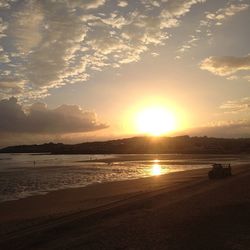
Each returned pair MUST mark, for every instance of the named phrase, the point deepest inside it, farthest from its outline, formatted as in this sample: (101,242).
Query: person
(34,163)
(229,169)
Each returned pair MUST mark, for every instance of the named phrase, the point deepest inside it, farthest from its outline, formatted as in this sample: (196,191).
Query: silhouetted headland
(142,145)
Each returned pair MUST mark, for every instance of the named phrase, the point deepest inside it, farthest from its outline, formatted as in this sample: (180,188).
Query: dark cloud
(40,119)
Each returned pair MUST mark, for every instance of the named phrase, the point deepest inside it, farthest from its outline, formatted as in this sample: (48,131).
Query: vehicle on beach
(219,171)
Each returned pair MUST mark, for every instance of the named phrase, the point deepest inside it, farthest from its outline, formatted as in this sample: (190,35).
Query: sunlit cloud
(235,106)
(4,4)
(122,3)
(226,12)
(226,65)
(218,17)
(48,44)
(11,87)
(86,4)
(24,27)
(192,42)
(209,22)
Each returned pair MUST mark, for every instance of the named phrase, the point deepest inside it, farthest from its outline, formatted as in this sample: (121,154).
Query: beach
(182,210)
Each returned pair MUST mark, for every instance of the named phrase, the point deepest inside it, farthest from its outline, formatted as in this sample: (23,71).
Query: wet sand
(176,211)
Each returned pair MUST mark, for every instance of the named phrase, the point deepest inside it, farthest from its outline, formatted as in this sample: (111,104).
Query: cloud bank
(225,129)
(38,119)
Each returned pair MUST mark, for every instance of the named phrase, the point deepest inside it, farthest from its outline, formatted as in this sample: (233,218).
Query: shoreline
(151,182)
(45,192)
(155,182)
(137,203)
(192,165)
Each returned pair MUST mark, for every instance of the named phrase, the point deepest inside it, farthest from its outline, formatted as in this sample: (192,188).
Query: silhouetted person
(229,169)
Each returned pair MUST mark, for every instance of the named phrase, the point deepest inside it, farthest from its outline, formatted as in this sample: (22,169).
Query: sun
(155,121)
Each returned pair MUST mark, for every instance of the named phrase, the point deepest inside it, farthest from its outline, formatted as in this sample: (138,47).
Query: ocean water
(23,175)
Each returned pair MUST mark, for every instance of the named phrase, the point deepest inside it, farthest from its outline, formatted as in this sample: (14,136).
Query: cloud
(192,42)
(226,12)
(226,65)
(219,16)
(247,78)
(122,3)
(209,22)
(154,54)
(10,87)
(24,29)
(3,27)
(151,3)
(86,4)
(50,43)
(235,106)
(177,8)
(39,119)
(224,129)
(115,21)
(46,36)
(4,57)
(5,4)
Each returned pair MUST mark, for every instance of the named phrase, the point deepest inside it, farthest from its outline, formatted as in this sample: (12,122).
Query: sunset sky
(73,71)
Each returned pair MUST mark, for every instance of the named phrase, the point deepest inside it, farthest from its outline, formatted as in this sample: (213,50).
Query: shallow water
(23,175)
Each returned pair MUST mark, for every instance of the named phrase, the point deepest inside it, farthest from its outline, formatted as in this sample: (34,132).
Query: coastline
(118,168)
(125,201)
(87,196)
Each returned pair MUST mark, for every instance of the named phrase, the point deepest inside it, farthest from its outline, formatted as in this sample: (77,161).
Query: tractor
(219,171)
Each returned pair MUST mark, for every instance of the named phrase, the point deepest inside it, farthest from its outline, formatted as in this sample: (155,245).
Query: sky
(74,71)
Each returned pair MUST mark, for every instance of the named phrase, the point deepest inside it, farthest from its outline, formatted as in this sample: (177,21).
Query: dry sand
(176,211)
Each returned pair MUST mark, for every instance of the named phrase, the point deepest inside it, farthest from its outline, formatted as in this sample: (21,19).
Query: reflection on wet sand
(156,168)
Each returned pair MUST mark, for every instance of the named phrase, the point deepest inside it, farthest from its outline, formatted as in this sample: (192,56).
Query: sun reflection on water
(156,169)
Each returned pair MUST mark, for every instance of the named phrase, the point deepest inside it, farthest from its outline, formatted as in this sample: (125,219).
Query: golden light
(155,121)
(156,169)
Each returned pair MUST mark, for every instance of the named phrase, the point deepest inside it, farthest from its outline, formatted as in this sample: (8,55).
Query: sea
(23,175)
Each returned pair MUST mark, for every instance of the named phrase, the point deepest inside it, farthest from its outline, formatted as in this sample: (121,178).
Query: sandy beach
(181,210)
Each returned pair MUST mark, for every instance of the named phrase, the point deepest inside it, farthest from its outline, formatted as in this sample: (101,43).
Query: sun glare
(155,121)
(156,169)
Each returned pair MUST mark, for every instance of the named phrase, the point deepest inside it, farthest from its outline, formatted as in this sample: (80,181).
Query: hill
(142,145)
